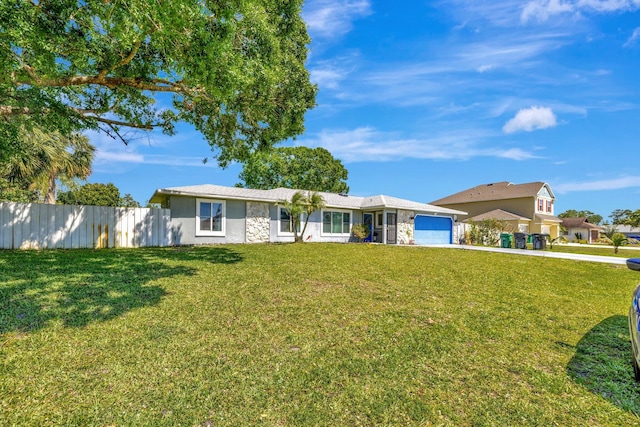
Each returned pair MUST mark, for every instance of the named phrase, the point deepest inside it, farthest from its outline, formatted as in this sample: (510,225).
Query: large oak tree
(233,69)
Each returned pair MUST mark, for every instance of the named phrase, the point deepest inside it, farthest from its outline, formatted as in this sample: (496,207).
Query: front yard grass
(623,251)
(313,334)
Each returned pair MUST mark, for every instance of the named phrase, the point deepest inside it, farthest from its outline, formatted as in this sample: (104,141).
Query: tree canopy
(591,217)
(44,158)
(235,70)
(303,168)
(626,217)
(97,195)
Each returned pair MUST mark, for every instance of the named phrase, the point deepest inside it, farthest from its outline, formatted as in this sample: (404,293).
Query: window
(540,205)
(285,222)
(336,222)
(549,206)
(379,218)
(210,217)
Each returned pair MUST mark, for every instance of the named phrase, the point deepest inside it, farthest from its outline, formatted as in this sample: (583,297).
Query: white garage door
(433,230)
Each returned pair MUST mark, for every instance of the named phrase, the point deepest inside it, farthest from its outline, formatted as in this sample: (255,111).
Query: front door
(367,219)
(391,228)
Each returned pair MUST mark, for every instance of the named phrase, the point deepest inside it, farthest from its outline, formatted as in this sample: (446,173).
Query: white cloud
(111,154)
(516,154)
(329,74)
(333,18)
(635,36)
(529,119)
(602,185)
(496,13)
(542,10)
(327,77)
(485,68)
(368,144)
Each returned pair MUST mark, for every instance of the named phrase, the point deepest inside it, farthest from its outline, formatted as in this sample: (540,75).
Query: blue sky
(423,99)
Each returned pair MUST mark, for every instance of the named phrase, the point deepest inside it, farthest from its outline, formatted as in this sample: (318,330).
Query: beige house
(580,229)
(527,208)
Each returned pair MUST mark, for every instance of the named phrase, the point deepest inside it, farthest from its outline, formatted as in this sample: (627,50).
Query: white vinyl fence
(36,226)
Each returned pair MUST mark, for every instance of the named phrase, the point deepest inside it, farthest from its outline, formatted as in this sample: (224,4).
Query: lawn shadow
(78,287)
(211,254)
(602,364)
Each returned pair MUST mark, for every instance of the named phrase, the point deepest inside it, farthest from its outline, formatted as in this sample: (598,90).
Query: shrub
(487,232)
(360,231)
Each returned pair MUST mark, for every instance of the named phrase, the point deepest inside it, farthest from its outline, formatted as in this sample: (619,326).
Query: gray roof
(627,229)
(276,195)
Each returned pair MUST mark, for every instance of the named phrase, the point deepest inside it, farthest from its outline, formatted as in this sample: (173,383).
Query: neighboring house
(629,231)
(204,214)
(581,229)
(528,206)
(514,222)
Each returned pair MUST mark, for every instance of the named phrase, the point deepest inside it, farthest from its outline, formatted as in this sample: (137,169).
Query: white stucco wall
(257,222)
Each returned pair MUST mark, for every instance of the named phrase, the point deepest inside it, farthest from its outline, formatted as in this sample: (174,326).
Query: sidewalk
(541,253)
(547,254)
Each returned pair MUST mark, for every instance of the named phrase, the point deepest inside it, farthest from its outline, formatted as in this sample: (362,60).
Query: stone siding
(405,227)
(257,222)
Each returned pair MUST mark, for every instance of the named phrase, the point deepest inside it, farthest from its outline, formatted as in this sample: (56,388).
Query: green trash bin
(505,240)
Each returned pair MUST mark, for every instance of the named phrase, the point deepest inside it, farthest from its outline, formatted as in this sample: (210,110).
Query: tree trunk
(50,197)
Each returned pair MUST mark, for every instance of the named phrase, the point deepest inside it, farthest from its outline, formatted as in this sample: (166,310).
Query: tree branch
(8,110)
(125,61)
(153,85)
(112,123)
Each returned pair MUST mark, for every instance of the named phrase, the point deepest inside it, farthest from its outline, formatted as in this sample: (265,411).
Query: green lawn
(313,334)
(623,251)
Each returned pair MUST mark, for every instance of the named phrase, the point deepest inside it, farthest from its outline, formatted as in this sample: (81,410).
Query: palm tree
(313,202)
(302,203)
(617,240)
(46,158)
(294,208)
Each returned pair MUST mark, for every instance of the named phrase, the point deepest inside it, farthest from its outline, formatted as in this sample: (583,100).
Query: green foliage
(127,201)
(97,195)
(634,218)
(234,70)
(557,240)
(302,202)
(609,230)
(617,240)
(619,216)
(16,192)
(360,231)
(303,168)
(487,231)
(591,217)
(626,217)
(42,159)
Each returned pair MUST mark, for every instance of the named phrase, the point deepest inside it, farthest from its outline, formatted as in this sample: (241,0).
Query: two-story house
(527,208)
